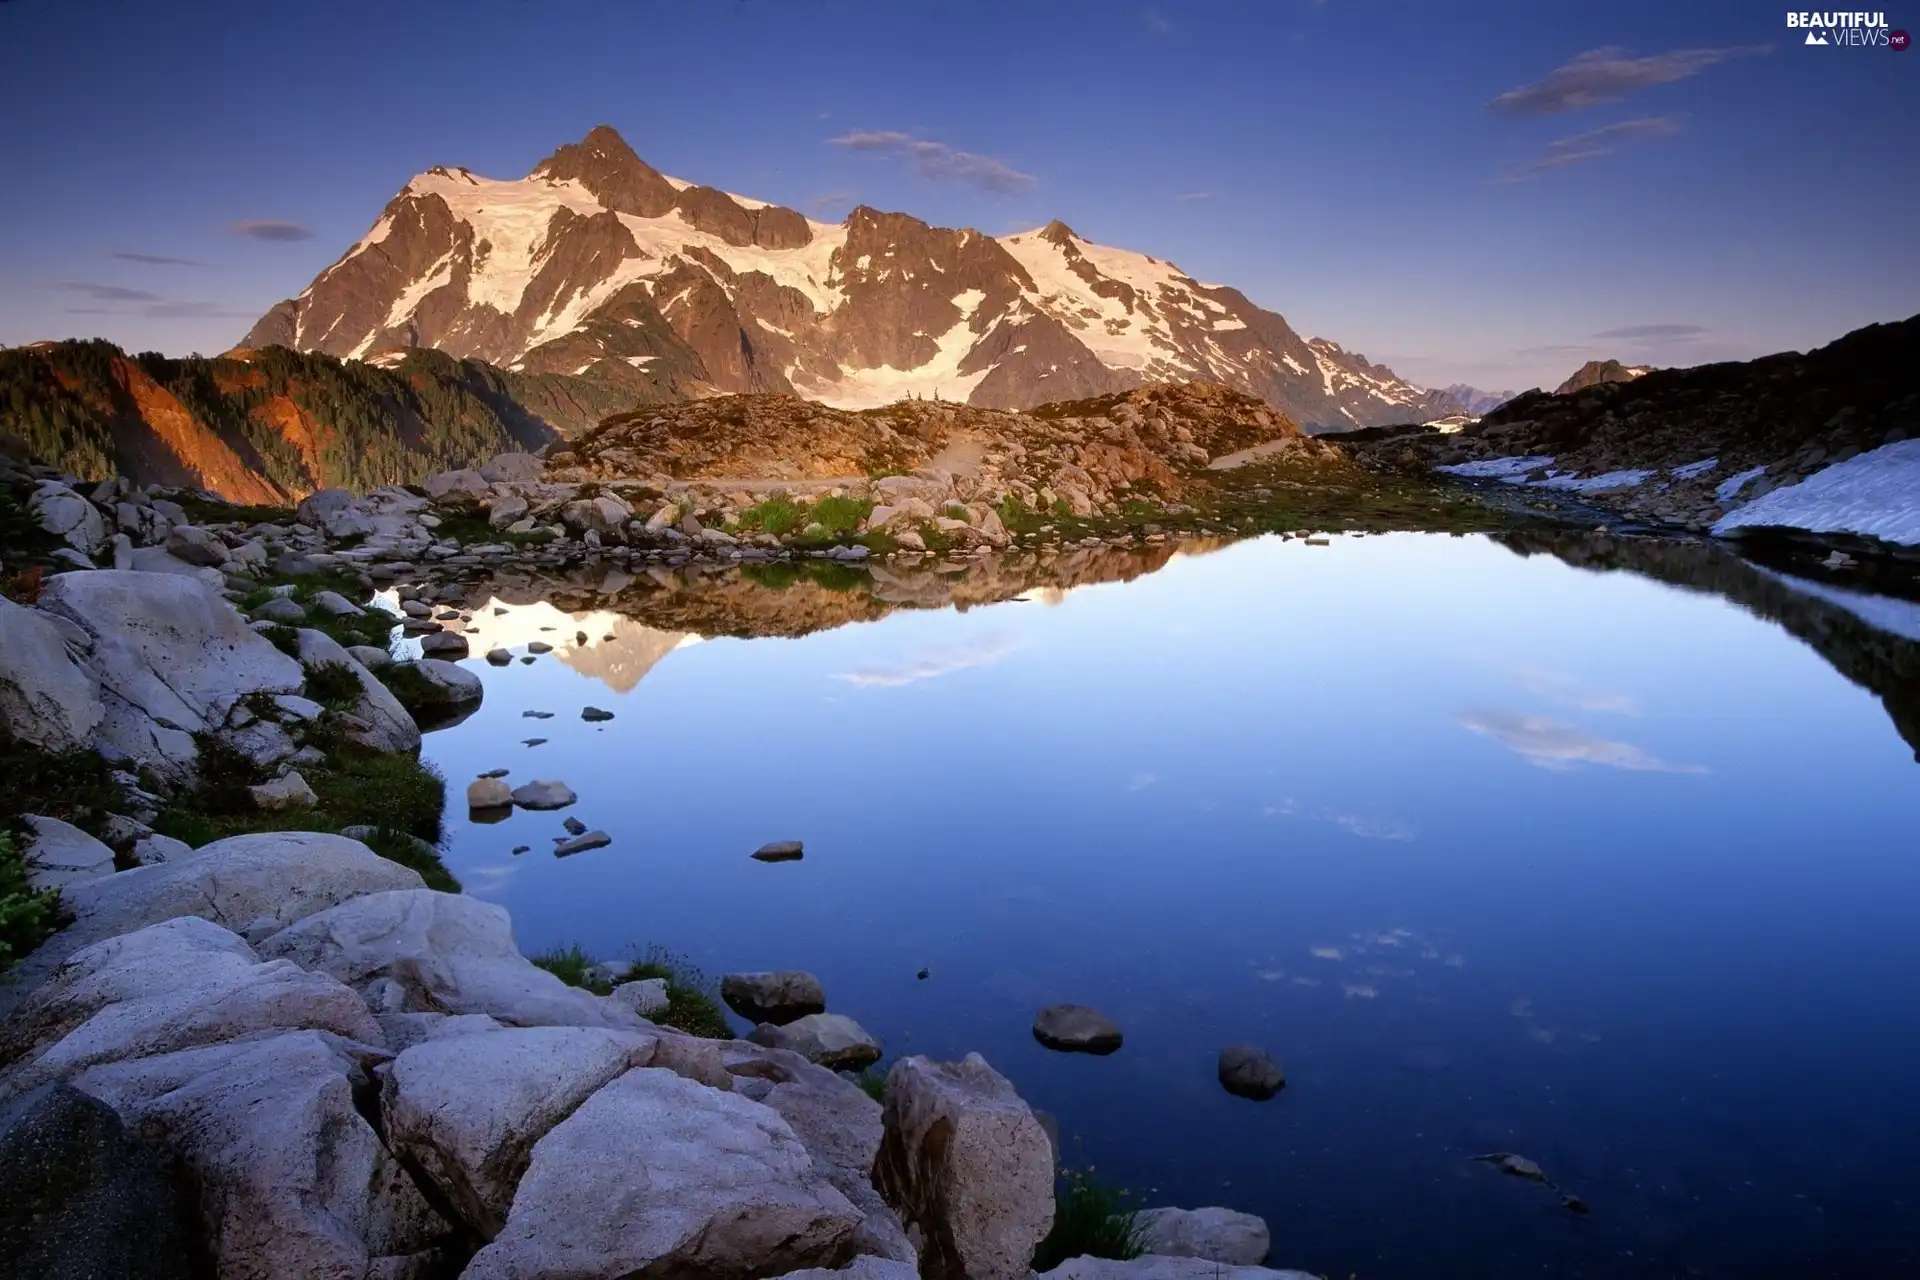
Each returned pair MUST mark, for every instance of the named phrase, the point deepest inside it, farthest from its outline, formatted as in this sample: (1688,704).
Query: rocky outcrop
(832,1040)
(657,1175)
(47,698)
(1216,1234)
(85,1197)
(1595,372)
(60,855)
(778,996)
(967,1167)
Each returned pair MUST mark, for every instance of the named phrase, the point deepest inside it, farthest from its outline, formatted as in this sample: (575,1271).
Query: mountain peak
(1057,232)
(606,166)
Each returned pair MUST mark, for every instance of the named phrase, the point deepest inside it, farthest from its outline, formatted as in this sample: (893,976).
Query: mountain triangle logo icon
(1814,37)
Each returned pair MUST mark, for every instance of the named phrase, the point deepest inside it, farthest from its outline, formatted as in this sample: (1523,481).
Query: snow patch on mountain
(1876,494)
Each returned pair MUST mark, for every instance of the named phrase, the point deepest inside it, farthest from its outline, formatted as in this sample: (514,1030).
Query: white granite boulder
(831,1039)
(60,855)
(68,516)
(47,699)
(377,720)
(1219,1235)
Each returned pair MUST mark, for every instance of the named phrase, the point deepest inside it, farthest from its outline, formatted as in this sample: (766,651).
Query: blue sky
(1488,192)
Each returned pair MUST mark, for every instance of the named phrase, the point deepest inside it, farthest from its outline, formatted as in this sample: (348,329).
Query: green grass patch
(693,1006)
(73,786)
(334,686)
(833,575)
(872,1081)
(393,791)
(27,916)
(839,516)
(778,515)
(1090,1220)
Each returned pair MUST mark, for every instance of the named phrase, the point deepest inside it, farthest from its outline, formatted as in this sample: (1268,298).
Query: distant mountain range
(1474,401)
(597,266)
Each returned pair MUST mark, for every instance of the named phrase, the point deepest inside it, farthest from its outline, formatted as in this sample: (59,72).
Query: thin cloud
(1157,22)
(1592,145)
(1657,332)
(270,229)
(1600,76)
(1194,195)
(1372,828)
(830,201)
(152,259)
(939,162)
(1561,747)
(108,292)
(929,667)
(1565,689)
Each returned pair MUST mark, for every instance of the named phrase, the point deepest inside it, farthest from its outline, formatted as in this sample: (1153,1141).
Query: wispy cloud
(1560,747)
(152,259)
(108,292)
(1600,76)
(1194,195)
(829,201)
(1157,22)
(1141,781)
(939,162)
(1592,145)
(1372,828)
(930,666)
(1656,332)
(270,229)
(1566,689)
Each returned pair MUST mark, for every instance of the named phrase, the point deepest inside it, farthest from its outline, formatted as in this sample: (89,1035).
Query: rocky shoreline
(285,1052)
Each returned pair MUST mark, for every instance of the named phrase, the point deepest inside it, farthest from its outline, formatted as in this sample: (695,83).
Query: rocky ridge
(598,266)
(1686,446)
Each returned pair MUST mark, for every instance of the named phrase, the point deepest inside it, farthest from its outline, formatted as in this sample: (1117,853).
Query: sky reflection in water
(1492,853)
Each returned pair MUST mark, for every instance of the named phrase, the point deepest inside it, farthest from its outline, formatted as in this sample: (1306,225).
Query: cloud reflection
(1564,688)
(932,665)
(1552,745)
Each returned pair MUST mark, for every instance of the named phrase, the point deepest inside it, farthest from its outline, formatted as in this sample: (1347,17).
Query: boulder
(190,544)
(47,699)
(337,513)
(655,1175)
(1250,1072)
(172,658)
(441,686)
(466,1110)
(693,1058)
(175,985)
(274,878)
(543,793)
(489,793)
(1219,1235)
(445,645)
(152,850)
(423,952)
(582,843)
(864,1267)
(780,851)
(60,855)
(605,515)
(288,791)
(964,1162)
(280,610)
(376,720)
(832,1040)
(369,657)
(512,468)
(68,516)
(456,486)
(334,605)
(778,996)
(292,1180)
(840,1127)
(1157,1267)
(646,998)
(85,1198)
(1076,1028)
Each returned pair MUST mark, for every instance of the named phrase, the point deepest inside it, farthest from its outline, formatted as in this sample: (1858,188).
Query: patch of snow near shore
(1692,470)
(1591,484)
(1876,494)
(1500,468)
(1732,485)
(1883,613)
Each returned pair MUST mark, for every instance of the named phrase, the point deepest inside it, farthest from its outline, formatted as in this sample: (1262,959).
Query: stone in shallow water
(444,644)
(594,715)
(543,793)
(831,1040)
(489,793)
(582,843)
(1250,1072)
(780,851)
(499,657)
(1076,1028)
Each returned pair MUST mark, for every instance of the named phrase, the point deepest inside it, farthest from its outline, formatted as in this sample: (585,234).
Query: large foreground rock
(417,951)
(1219,1235)
(85,1198)
(172,658)
(376,720)
(293,1181)
(466,1110)
(175,985)
(1155,1267)
(46,698)
(657,1176)
(252,884)
(61,855)
(831,1039)
(965,1163)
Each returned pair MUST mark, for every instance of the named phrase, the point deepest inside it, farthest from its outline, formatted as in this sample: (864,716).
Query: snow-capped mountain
(1475,401)
(597,265)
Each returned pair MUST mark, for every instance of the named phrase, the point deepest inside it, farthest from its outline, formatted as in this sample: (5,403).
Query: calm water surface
(1493,853)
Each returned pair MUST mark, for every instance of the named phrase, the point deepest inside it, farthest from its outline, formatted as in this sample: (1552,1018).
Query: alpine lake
(1598,851)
